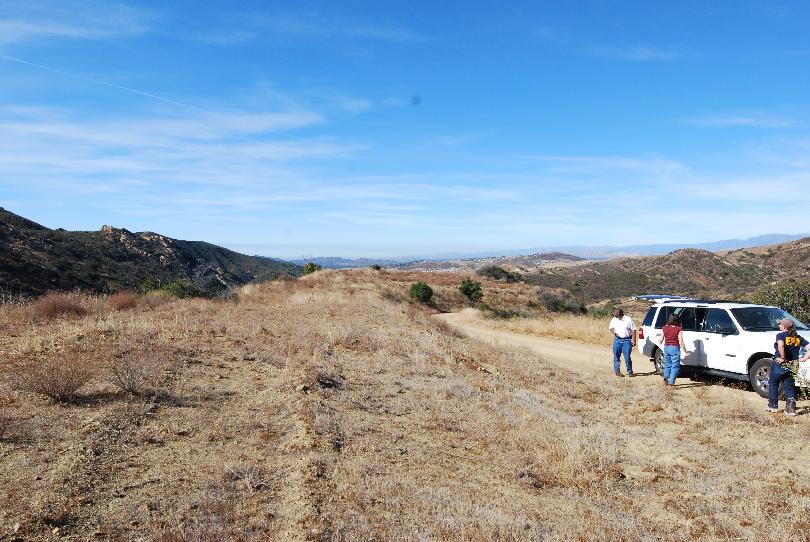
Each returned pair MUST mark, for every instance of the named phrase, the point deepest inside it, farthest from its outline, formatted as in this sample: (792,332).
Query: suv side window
(716,320)
(648,320)
(663,314)
(689,321)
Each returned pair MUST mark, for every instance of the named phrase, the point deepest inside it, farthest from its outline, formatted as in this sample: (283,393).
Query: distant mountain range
(35,259)
(599,252)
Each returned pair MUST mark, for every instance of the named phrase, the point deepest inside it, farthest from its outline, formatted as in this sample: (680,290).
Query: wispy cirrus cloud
(625,53)
(653,166)
(751,119)
(635,54)
(301,25)
(220,148)
(295,26)
(27,21)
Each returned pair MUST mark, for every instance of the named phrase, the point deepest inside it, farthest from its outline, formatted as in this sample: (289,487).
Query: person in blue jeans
(786,350)
(624,339)
(672,342)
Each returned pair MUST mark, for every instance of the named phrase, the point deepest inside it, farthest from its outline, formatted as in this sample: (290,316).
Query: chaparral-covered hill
(35,259)
(694,272)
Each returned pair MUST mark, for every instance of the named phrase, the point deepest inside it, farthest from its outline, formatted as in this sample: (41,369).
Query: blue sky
(384,128)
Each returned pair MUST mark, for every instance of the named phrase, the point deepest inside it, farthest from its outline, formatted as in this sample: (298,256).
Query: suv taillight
(641,333)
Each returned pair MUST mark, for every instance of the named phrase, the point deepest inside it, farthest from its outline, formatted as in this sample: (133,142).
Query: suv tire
(658,361)
(758,374)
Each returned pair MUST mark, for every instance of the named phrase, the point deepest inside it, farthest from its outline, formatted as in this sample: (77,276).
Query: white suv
(727,339)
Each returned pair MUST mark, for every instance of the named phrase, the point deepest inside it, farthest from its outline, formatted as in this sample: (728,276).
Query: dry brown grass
(329,409)
(122,301)
(584,329)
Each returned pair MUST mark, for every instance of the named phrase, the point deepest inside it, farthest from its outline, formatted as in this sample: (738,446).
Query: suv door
(691,337)
(721,342)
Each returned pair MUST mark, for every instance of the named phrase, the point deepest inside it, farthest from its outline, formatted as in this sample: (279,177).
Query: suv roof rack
(660,297)
(706,301)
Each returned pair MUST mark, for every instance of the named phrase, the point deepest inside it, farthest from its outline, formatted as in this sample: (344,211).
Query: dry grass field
(331,408)
(575,327)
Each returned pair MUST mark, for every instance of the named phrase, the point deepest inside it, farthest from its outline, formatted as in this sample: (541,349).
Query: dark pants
(780,373)
(622,346)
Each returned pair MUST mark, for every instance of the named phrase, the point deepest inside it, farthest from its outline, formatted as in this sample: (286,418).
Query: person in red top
(673,346)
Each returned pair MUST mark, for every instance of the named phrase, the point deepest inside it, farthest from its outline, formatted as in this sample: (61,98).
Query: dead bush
(58,375)
(353,340)
(249,475)
(134,364)
(122,301)
(6,423)
(156,298)
(59,304)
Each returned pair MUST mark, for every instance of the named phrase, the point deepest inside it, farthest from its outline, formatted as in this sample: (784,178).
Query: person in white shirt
(624,339)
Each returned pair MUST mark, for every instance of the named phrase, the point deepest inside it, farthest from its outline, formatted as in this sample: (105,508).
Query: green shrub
(421,292)
(311,267)
(148,285)
(181,289)
(562,303)
(375,266)
(471,289)
(792,295)
(495,272)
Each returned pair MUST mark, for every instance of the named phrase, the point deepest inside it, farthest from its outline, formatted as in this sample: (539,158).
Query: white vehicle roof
(707,303)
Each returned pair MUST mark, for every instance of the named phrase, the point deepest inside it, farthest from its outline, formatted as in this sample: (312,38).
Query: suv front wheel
(759,373)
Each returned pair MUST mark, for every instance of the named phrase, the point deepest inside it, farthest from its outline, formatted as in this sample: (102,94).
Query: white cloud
(635,54)
(353,105)
(25,21)
(655,166)
(42,147)
(754,120)
(299,25)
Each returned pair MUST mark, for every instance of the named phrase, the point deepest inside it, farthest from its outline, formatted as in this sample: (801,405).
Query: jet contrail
(139,93)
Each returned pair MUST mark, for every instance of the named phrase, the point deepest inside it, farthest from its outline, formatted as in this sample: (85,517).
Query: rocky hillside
(35,259)
(693,272)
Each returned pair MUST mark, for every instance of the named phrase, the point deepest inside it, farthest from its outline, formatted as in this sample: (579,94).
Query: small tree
(471,289)
(495,272)
(421,292)
(311,267)
(181,289)
(375,266)
(793,296)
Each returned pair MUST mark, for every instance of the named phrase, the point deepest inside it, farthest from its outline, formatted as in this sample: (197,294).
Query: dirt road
(583,357)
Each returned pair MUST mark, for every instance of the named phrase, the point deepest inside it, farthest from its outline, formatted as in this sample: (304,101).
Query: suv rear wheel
(658,361)
(759,373)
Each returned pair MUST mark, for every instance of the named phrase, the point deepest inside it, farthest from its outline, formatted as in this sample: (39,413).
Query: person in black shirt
(787,348)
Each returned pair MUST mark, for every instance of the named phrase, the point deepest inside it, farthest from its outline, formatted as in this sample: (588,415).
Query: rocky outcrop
(35,259)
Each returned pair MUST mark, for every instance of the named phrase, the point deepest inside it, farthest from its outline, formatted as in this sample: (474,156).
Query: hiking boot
(771,409)
(790,409)
(631,375)
(618,374)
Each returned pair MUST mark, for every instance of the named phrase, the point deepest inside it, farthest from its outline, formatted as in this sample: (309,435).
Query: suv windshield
(762,318)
